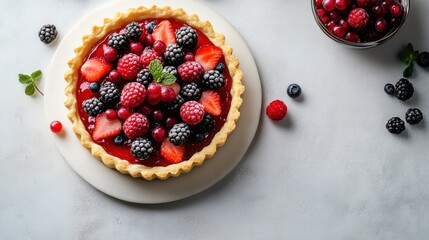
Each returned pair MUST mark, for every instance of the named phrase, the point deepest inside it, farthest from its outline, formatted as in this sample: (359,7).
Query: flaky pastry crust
(137,14)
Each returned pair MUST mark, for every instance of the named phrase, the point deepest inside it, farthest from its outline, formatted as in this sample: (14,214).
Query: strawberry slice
(211,102)
(174,154)
(105,128)
(208,56)
(94,69)
(164,32)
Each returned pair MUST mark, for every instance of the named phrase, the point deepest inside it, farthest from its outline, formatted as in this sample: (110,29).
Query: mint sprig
(155,68)
(31,82)
(408,56)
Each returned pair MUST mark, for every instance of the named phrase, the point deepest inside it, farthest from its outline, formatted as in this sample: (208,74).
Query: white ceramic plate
(125,187)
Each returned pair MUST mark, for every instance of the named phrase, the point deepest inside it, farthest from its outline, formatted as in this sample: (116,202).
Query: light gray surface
(329,171)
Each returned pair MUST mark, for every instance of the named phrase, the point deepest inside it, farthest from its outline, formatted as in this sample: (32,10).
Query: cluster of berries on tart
(155,89)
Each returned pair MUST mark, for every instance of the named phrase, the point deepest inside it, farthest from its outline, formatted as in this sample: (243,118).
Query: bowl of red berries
(360,23)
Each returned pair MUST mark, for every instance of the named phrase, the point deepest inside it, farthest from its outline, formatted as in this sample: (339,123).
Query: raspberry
(190,71)
(192,112)
(358,18)
(129,66)
(149,55)
(133,94)
(136,125)
(276,110)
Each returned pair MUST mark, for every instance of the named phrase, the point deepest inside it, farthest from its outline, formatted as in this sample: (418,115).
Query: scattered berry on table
(389,89)
(94,87)
(192,112)
(213,80)
(164,32)
(150,26)
(93,106)
(179,134)
(109,94)
(105,127)
(395,125)
(294,90)
(423,59)
(191,91)
(48,33)
(276,110)
(118,42)
(205,125)
(141,148)
(144,77)
(148,56)
(136,125)
(190,71)
(187,37)
(159,134)
(129,66)
(133,31)
(211,102)
(174,55)
(404,90)
(413,116)
(171,69)
(56,126)
(133,94)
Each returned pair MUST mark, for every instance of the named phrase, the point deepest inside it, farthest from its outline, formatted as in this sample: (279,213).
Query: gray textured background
(329,171)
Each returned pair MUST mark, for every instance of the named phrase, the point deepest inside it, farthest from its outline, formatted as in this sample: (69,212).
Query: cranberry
(189,57)
(56,126)
(374,2)
(341,4)
(351,37)
(318,3)
(328,5)
(344,24)
(381,25)
(362,3)
(154,93)
(124,113)
(324,19)
(394,22)
(167,94)
(159,47)
(335,16)
(170,122)
(321,12)
(339,31)
(387,2)
(111,114)
(396,10)
(146,110)
(159,134)
(149,39)
(330,26)
(110,53)
(158,116)
(114,76)
(136,48)
(378,11)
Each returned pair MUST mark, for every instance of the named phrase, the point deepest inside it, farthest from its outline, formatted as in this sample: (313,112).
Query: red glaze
(123,152)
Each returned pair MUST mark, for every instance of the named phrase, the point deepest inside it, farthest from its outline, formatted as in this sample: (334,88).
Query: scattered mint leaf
(167,78)
(410,47)
(24,79)
(408,56)
(155,68)
(30,81)
(30,89)
(408,72)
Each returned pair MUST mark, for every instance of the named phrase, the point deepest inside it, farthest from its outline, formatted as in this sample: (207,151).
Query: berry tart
(153,92)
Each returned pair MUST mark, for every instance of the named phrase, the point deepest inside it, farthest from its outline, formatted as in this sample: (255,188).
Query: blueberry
(220,67)
(119,140)
(199,137)
(294,90)
(150,26)
(94,87)
(389,89)
(423,59)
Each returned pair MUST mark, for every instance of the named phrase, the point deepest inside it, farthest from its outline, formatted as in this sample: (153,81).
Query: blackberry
(395,125)
(141,148)
(187,37)
(94,87)
(170,69)
(294,90)
(213,79)
(206,125)
(144,77)
(404,89)
(174,106)
(174,55)
(191,91)
(179,134)
(48,33)
(118,42)
(93,106)
(109,94)
(220,67)
(133,31)
(413,116)
(389,89)
(423,59)
(150,26)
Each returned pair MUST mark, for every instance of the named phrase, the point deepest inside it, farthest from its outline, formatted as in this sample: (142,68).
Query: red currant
(170,122)
(110,53)
(146,110)
(159,47)
(111,114)
(149,39)
(136,48)
(56,126)
(124,113)
(362,3)
(159,134)
(158,116)
(114,76)
(154,93)
(167,94)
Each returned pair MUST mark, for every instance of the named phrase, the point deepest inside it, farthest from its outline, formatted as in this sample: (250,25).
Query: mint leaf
(30,89)
(36,75)
(24,79)
(167,78)
(155,68)
(410,48)
(409,70)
